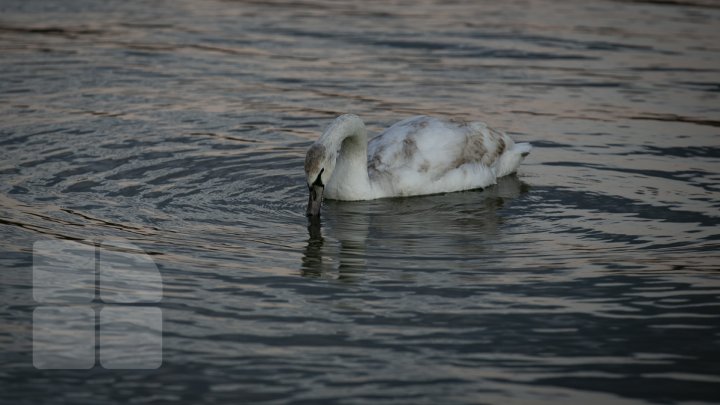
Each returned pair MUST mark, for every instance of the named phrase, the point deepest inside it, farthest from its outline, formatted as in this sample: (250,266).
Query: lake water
(180,127)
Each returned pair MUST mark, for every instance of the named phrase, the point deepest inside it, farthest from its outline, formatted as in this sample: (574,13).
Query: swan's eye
(318,180)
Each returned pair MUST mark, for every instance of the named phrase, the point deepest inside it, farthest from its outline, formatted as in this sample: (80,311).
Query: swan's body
(416,156)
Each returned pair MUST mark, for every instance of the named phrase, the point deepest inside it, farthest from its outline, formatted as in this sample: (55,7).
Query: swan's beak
(315,200)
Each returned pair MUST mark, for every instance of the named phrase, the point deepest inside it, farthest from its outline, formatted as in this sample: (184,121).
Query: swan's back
(423,155)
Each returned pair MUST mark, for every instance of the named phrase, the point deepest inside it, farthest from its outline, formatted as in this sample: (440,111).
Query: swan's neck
(350,180)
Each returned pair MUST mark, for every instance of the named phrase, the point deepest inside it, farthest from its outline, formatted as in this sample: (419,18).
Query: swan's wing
(430,148)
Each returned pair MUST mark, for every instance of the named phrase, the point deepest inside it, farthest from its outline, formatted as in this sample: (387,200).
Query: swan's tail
(511,159)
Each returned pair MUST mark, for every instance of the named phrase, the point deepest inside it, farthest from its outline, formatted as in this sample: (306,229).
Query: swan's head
(319,165)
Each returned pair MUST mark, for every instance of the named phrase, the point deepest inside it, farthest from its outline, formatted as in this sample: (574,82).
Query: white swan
(419,155)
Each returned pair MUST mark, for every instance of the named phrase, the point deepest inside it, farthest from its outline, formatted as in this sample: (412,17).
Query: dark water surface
(181,126)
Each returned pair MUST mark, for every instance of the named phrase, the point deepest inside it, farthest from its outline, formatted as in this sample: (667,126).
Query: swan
(415,156)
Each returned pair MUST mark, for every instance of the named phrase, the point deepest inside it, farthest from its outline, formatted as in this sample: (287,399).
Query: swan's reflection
(399,230)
